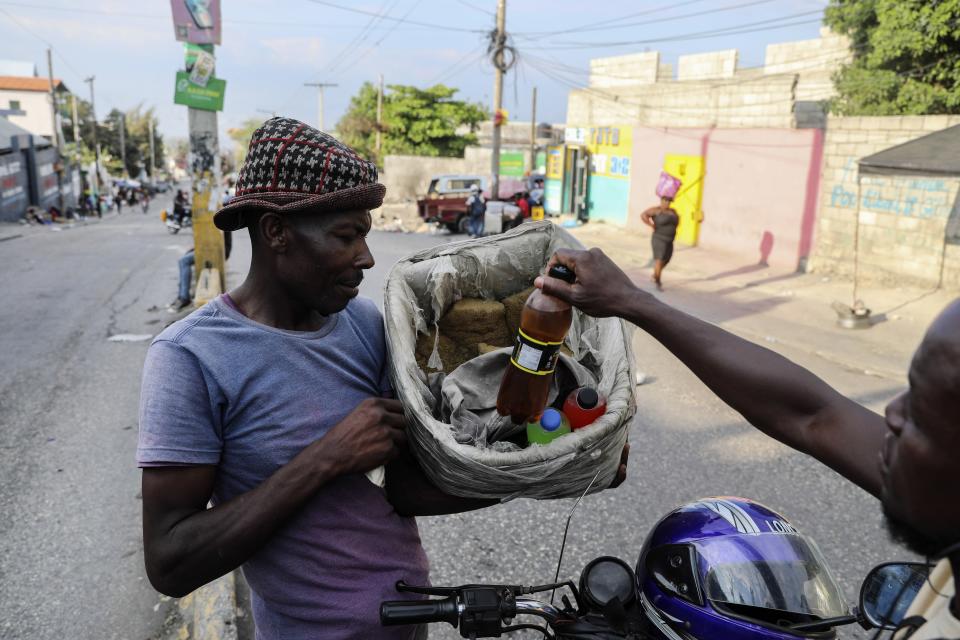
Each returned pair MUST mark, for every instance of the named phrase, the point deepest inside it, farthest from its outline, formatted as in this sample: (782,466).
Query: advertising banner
(202,69)
(196,21)
(13,186)
(209,98)
(192,52)
(511,164)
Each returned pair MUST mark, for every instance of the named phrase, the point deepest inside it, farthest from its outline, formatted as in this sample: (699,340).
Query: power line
(154,16)
(750,27)
(476,8)
(622,25)
(590,25)
(416,22)
(357,39)
(461,64)
(66,62)
(376,44)
(621,100)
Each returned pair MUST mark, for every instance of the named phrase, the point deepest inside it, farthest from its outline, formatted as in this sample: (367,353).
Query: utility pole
(57,134)
(76,123)
(150,132)
(379,113)
(498,67)
(320,87)
(533,132)
(123,142)
(96,145)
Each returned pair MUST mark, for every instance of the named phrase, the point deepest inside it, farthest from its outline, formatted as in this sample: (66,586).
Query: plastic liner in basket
(422,287)
(468,399)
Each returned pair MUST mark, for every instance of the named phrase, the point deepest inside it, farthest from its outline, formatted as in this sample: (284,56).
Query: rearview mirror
(888,590)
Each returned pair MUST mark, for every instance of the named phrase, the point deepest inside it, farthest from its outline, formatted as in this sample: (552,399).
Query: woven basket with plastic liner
(422,287)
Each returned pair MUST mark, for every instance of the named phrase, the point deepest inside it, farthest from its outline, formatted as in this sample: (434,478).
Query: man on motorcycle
(907,458)
(179,206)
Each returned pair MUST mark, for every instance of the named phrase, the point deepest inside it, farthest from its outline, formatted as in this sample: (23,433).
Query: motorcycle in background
(174,222)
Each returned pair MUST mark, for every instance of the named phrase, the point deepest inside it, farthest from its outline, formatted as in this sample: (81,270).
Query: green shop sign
(209,98)
(511,164)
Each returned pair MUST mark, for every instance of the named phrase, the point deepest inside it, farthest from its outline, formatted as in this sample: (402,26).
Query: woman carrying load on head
(663,220)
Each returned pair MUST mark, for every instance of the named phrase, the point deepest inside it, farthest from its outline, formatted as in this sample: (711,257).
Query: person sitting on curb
(185,268)
(272,402)
(906,458)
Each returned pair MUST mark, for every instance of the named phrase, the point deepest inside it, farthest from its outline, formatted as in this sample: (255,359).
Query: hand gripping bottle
(544,322)
(551,425)
(583,406)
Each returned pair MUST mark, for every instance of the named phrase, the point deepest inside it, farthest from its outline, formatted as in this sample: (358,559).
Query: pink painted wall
(760,191)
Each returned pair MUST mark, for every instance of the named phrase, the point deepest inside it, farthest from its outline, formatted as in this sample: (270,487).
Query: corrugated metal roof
(937,153)
(23,83)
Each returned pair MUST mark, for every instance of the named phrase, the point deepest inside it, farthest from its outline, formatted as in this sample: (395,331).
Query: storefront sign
(209,98)
(610,151)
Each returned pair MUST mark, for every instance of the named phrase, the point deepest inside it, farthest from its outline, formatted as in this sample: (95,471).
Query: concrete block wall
(903,219)
(706,66)
(406,177)
(825,53)
(710,90)
(761,101)
(618,71)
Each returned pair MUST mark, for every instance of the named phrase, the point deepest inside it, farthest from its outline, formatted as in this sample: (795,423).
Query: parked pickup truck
(446,201)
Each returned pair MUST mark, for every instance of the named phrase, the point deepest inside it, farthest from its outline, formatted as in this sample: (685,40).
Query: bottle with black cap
(583,406)
(544,323)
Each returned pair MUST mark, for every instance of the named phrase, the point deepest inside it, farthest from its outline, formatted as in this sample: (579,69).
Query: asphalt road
(70,542)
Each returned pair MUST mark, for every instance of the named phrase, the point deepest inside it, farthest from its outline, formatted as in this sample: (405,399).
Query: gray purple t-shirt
(220,389)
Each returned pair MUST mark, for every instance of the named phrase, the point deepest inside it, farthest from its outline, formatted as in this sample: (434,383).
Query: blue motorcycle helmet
(734,569)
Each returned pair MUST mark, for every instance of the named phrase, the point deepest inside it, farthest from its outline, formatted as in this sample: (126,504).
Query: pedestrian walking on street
(663,220)
(476,209)
(118,200)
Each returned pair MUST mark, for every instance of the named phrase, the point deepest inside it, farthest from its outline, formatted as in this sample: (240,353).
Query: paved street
(70,544)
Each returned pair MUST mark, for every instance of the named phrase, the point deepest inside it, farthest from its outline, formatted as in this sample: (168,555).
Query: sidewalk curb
(215,610)
(209,613)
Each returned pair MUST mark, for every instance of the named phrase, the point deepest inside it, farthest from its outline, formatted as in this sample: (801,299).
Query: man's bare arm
(187,545)
(780,398)
(412,494)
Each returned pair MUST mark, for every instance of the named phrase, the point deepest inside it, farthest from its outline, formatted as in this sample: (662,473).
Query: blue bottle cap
(551,420)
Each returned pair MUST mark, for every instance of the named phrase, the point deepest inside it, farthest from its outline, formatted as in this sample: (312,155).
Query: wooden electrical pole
(320,87)
(150,132)
(96,145)
(123,143)
(500,38)
(533,132)
(57,134)
(379,114)
(76,123)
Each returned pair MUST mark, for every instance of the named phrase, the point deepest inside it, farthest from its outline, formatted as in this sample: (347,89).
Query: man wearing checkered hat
(272,403)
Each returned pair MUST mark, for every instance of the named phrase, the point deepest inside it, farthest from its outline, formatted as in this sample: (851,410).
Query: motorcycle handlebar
(397,612)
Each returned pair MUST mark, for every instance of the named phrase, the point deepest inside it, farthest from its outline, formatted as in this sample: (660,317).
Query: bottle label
(534,356)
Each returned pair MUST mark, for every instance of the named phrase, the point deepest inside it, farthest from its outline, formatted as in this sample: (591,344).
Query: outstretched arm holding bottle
(780,398)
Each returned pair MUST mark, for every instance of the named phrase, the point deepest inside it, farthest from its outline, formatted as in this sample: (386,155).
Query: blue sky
(270,49)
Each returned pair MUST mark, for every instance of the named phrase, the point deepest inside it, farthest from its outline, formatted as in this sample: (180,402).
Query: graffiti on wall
(915,197)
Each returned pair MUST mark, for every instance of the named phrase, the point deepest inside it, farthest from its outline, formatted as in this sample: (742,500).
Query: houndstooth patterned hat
(292,167)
